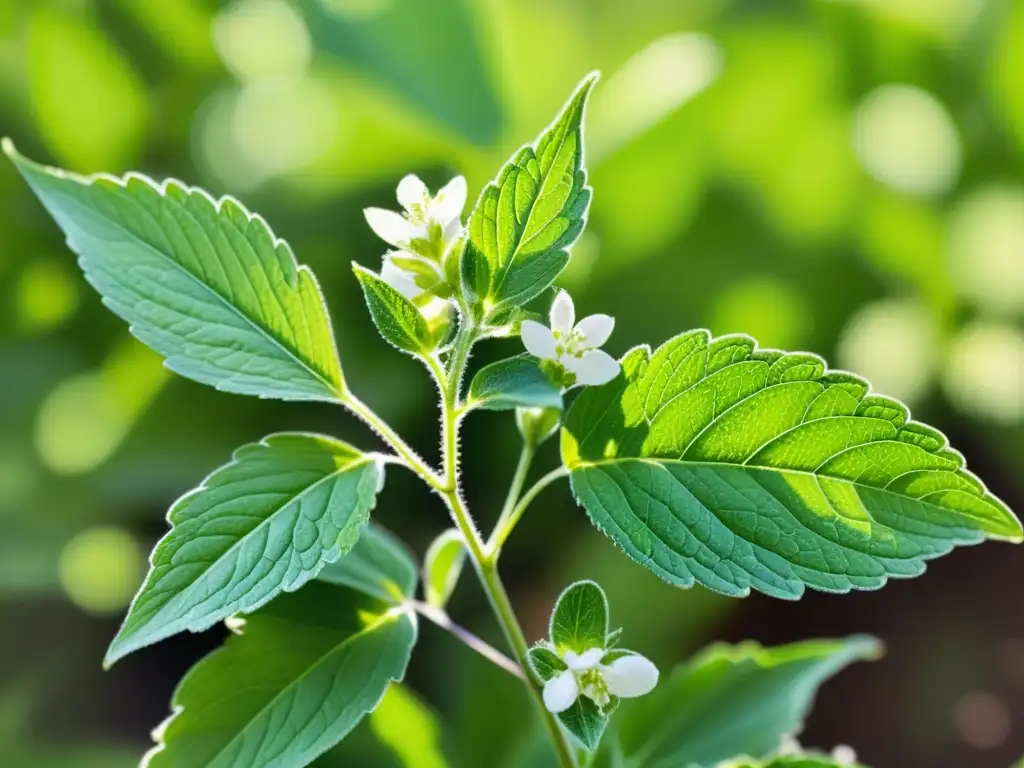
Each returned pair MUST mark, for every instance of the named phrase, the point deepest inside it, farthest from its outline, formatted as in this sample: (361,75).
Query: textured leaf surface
(303,672)
(525,221)
(731,700)
(714,462)
(205,283)
(517,382)
(265,523)
(397,319)
(579,621)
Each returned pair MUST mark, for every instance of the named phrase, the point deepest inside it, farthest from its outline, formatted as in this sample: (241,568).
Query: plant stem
(514,490)
(489,652)
(508,522)
(487,571)
(392,438)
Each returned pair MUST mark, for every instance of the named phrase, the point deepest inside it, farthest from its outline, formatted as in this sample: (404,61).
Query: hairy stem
(489,652)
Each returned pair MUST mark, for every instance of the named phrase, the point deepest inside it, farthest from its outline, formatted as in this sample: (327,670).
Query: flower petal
(449,201)
(595,330)
(411,191)
(390,227)
(400,280)
(630,676)
(581,662)
(563,313)
(592,368)
(560,692)
(538,340)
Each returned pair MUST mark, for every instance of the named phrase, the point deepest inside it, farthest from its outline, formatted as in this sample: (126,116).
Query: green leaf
(429,53)
(378,565)
(205,283)
(409,728)
(526,220)
(731,700)
(580,619)
(544,662)
(399,321)
(265,523)
(585,721)
(441,567)
(303,672)
(513,383)
(711,461)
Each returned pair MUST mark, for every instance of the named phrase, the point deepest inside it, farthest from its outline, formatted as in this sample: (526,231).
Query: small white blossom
(425,217)
(421,234)
(843,754)
(574,346)
(626,676)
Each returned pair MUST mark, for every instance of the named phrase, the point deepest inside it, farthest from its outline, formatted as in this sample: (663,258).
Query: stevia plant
(708,460)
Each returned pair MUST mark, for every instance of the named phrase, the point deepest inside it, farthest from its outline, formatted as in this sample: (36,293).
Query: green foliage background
(842,177)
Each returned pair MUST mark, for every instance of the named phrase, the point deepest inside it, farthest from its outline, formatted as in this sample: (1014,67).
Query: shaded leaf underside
(711,461)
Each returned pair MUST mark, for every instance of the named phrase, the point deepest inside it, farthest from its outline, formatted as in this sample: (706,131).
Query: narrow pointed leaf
(303,672)
(398,320)
(710,461)
(266,523)
(204,282)
(579,621)
(517,382)
(732,700)
(526,220)
(442,566)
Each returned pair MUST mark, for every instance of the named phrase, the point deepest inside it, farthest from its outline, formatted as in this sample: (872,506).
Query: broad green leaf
(513,383)
(399,321)
(378,565)
(585,721)
(265,523)
(731,700)
(205,283)
(579,621)
(409,728)
(441,567)
(302,673)
(526,220)
(429,53)
(711,461)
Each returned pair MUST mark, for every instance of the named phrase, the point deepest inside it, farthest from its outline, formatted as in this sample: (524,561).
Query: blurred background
(837,176)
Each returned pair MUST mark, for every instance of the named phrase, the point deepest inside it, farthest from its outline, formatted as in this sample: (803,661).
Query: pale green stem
(441,618)
(508,522)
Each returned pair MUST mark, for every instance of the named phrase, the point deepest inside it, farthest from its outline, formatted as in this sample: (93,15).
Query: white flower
(573,345)
(436,220)
(626,677)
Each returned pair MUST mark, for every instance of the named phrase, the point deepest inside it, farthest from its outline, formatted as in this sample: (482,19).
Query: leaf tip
(7,145)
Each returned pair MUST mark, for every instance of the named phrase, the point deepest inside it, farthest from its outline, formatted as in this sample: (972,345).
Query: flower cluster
(422,235)
(599,674)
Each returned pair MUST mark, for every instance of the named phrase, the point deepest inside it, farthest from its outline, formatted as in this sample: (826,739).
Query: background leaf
(442,565)
(409,728)
(303,673)
(731,700)
(525,221)
(205,283)
(430,54)
(710,461)
(400,323)
(513,383)
(265,523)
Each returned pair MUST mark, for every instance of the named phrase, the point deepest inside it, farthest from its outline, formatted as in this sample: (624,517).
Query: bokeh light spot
(100,569)
(986,248)
(46,296)
(981,719)
(906,139)
(984,373)
(768,309)
(261,38)
(893,344)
